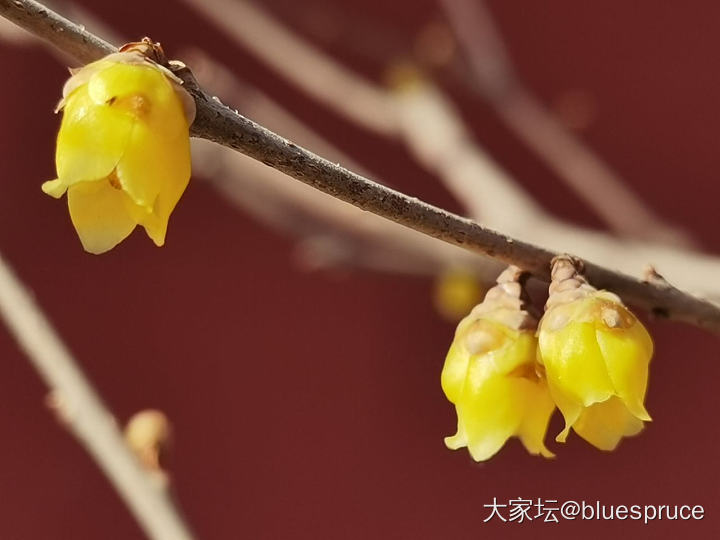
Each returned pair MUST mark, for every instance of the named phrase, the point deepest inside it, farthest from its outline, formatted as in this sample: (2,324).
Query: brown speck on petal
(114,180)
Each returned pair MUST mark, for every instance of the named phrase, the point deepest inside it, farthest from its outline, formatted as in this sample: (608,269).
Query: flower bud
(596,356)
(148,434)
(490,375)
(123,150)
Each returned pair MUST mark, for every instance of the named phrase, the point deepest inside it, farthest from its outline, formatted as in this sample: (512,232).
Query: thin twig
(67,36)
(350,95)
(218,123)
(438,138)
(84,413)
(341,234)
(371,106)
(591,178)
(333,233)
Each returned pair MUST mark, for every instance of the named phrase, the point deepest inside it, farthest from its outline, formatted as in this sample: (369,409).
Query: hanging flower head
(491,374)
(123,150)
(596,355)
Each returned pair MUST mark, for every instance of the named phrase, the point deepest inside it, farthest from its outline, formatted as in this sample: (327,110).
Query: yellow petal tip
(455,442)
(54,188)
(547,454)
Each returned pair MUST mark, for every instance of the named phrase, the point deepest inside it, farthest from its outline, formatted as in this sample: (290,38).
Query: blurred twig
(332,232)
(433,130)
(591,178)
(352,96)
(216,122)
(478,179)
(338,234)
(415,113)
(83,412)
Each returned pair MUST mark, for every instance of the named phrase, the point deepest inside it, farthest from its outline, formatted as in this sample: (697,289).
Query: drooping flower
(596,356)
(490,375)
(123,150)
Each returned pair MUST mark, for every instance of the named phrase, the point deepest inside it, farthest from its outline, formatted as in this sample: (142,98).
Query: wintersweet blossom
(596,356)
(123,150)
(490,375)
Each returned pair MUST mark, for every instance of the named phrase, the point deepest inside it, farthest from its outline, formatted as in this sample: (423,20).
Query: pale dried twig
(348,94)
(84,414)
(434,132)
(340,234)
(480,178)
(590,177)
(333,232)
(217,122)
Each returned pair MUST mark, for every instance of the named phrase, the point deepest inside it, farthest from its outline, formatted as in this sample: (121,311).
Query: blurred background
(297,357)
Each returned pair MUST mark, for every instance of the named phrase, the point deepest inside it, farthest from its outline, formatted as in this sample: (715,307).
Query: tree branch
(84,413)
(218,123)
(332,233)
(438,138)
(582,170)
(351,96)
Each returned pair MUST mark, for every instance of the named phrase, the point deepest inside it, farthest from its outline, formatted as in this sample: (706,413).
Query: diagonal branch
(433,131)
(349,95)
(592,179)
(84,413)
(331,232)
(218,123)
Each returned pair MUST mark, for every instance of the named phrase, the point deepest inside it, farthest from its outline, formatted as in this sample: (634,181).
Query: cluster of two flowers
(506,373)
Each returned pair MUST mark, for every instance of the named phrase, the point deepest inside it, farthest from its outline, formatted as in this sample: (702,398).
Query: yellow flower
(456,292)
(123,150)
(596,356)
(490,375)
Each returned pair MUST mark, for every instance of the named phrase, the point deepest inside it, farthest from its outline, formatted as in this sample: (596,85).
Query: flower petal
(458,440)
(518,353)
(569,408)
(491,414)
(573,362)
(538,410)
(101,214)
(157,159)
(91,141)
(174,178)
(604,424)
(454,372)
(55,188)
(627,353)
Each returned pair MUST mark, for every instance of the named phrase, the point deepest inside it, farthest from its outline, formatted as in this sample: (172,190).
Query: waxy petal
(605,424)
(454,372)
(574,362)
(491,415)
(627,353)
(101,214)
(538,410)
(92,140)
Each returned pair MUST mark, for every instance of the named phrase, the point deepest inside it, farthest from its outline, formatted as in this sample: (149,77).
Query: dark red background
(308,405)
